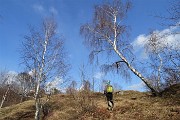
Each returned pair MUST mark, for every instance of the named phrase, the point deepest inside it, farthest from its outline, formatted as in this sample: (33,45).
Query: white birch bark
(125,60)
(40,78)
(4,97)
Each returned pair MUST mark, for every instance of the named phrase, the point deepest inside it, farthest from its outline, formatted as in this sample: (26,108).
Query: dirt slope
(131,105)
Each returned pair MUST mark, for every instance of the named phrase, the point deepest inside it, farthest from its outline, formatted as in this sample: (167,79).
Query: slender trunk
(22,97)
(125,60)
(37,113)
(93,84)
(137,73)
(4,96)
(159,73)
(40,78)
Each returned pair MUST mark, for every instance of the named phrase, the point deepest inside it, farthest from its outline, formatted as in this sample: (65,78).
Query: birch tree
(4,79)
(164,51)
(26,84)
(173,14)
(7,84)
(43,53)
(108,33)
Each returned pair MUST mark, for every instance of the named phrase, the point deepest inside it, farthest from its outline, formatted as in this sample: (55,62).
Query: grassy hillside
(132,105)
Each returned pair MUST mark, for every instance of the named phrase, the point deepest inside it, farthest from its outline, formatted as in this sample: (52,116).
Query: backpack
(109,89)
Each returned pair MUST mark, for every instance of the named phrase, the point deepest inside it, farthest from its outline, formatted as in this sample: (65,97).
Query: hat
(108,82)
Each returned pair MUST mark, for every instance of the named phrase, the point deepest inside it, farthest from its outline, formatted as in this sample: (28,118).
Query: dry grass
(131,105)
(145,107)
(22,111)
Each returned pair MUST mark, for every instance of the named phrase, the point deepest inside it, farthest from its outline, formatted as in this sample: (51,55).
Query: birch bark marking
(40,79)
(107,29)
(4,96)
(43,52)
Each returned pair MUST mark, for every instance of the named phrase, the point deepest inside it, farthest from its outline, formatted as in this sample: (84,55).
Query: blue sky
(16,15)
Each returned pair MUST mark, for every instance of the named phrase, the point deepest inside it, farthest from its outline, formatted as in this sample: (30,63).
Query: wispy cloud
(38,8)
(138,45)
(55,83)
(53,10)
(137,86)
(168,39)
(99,75)
(140,41)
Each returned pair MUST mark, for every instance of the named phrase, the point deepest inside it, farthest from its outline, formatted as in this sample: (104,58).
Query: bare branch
(107,31)
(43,52)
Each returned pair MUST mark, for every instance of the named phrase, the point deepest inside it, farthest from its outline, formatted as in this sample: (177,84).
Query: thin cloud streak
(38,8)
(53,11)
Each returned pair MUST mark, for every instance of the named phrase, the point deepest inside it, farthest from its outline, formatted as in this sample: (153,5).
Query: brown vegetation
(132,105)
(12,97)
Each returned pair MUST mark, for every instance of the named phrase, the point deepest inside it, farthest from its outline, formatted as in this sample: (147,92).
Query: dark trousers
(109,97)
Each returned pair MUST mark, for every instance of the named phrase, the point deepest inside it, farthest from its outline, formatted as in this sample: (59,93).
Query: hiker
(108,91)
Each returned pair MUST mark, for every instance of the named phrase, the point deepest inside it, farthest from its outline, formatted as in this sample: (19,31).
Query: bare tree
(6,84)
(86,85)
(163,50)
(43,52)
(108,33)
(82,74)
(3,79)
(155,47)
(173,14)
(26,84)
(71,89)
(164,58)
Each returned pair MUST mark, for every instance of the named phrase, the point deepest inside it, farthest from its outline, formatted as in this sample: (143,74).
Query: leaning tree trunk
(154,92)
(114,45)
(4,96)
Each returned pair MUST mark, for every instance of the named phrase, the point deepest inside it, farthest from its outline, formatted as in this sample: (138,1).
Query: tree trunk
(40,78)
(154,92)
(22,95)
(4,96)
(37,113)
(22,98)
(159,73)
(93,84)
